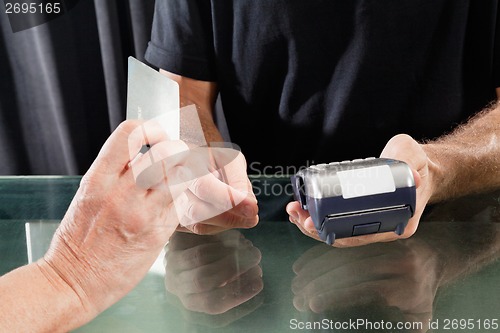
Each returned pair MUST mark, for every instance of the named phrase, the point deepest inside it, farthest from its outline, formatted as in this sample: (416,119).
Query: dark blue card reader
(358,197)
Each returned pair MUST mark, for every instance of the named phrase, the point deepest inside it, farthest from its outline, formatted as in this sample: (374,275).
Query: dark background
(63,84)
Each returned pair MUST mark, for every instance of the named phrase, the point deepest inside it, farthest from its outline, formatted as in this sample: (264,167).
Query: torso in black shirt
(315,81)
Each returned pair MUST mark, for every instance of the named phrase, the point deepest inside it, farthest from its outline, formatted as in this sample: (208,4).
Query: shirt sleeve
(182,39)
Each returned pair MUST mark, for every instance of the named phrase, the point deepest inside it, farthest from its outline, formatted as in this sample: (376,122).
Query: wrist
(432,260)
(36,299)
(70,296)
(440,173)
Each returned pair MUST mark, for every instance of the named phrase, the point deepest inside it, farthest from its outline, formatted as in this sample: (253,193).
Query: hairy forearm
(458,258)
(210,130)
(467,160)
(35,299)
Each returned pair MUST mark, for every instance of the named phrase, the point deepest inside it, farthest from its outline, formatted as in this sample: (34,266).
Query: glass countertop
(272,278)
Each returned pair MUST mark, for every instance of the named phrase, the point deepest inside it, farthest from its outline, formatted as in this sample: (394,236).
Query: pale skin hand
(244,215)
(458,164)
(108,239)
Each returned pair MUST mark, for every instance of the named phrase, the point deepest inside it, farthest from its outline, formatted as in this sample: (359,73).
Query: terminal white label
(366,181)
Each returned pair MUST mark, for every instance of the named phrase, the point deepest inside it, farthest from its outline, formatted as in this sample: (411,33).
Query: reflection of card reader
(359,197)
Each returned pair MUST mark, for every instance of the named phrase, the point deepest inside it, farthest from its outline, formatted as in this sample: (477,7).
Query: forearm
(35,299)
(458,258)
(467,160)
(210,130)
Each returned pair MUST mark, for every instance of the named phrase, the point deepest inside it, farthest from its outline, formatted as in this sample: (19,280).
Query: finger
(114,154)
(299,302)
(186,240)
(294,210)
(202,228)
(147,133)
(363,270)
(302,219)
(208,229)
(248,207)
(232,165)
(319,263)
(196,210)
(232,170)
(404,148)
(230,220)
(305,227)
(181,275)
(367,239)
(297,215)
(155,164)
(224,319)
(210,189)
(228,296)
(306,232)
(195,162)
(301,216)
(198,216)
(218,176)
(157,176)
(200,255)
(337,299)
(218,273)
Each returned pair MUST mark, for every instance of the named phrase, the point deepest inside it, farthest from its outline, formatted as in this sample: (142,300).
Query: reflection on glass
(474,208)
(392,282)
(214,280)
(38,237)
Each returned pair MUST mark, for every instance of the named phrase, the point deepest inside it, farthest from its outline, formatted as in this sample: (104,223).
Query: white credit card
(151,95)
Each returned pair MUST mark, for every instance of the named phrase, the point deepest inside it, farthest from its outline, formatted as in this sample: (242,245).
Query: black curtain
(63,84)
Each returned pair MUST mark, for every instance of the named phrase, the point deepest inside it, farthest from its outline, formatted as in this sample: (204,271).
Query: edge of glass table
(282,248)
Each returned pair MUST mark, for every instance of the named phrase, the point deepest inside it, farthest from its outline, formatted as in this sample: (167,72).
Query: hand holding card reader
(358,197)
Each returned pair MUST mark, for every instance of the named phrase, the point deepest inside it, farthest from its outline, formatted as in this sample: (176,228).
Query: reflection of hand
(404,275)
(113,230)
(484,207)
(213,275)
(400,147)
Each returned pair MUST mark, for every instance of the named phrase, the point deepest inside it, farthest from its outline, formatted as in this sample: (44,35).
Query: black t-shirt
(325,80)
